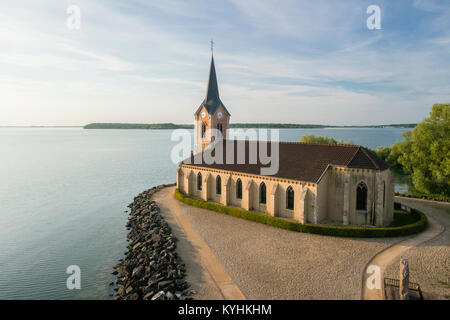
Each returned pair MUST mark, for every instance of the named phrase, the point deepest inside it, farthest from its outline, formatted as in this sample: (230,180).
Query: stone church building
(315,183)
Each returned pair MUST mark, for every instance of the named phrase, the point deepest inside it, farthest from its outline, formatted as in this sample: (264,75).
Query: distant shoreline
(156,126)
(167,126)
(41,126)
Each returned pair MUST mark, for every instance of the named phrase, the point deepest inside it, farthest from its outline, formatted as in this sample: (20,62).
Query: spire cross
(212,45)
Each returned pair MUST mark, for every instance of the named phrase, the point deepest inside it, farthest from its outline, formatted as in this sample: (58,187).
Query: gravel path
(429,263)
(271,263)
(205,274)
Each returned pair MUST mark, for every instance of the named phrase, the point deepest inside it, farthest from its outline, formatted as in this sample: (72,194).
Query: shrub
(402,218)
(340,231)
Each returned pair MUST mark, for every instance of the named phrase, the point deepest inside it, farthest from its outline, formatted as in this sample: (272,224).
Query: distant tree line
(232,125)
(277,125)
(137,126)
(313,126)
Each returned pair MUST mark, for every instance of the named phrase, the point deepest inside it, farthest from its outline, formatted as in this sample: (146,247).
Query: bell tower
(211,114)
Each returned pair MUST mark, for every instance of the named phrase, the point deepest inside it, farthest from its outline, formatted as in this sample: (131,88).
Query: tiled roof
(297,161)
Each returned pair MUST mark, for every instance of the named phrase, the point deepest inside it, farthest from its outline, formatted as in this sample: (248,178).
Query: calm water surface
(63,193)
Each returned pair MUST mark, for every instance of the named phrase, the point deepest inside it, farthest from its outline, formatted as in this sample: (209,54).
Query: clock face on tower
(203,114)
(219,115)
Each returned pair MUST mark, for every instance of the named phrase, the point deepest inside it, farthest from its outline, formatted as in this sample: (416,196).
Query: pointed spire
(212,101)
(212,91)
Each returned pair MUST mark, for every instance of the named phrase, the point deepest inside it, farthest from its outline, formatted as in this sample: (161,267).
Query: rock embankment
(151,269)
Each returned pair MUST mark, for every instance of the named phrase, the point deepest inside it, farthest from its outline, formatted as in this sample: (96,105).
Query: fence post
(404,279)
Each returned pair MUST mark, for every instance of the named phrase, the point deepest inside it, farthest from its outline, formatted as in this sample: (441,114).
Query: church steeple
(212,90)
(212,100)
(211,114)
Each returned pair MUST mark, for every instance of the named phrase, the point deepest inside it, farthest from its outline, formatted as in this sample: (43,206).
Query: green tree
(382,152)
(400,152)
(425,152)
(310,138)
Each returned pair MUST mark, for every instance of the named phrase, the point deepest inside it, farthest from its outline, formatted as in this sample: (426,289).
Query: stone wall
(151,269)
(332,200)
(341,184)
(275,192)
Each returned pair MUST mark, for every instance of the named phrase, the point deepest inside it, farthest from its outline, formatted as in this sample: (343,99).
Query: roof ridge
(353,156)
(310,143)
(324,144)
(370,158)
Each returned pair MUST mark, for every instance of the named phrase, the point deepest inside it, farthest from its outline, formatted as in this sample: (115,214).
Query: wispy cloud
(294,61)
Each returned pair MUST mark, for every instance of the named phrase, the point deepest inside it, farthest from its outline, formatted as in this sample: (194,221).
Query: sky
(284,61)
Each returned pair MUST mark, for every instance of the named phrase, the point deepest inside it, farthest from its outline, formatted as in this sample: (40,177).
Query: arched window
(290,198)
(218,185)
(203,129)
(262,193)
(239,189)
(220,128)
(199,181)
(361,196)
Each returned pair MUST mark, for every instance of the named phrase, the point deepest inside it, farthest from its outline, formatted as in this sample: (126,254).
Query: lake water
(63,193)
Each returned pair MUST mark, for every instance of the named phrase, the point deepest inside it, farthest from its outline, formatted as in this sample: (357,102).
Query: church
(315,183)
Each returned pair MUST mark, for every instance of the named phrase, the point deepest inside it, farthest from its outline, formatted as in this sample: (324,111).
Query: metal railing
(396,283)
